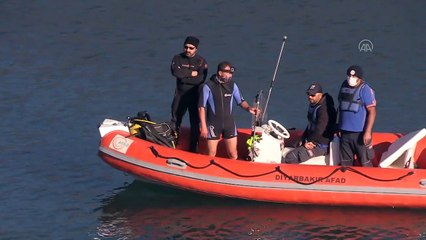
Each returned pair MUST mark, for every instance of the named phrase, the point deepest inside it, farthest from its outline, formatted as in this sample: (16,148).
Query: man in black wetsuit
(215,109)
(190,71)
(320,130)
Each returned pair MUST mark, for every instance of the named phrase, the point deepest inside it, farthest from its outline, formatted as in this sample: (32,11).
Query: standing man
(190,71)
(357,113)
(321,126)
(215,110)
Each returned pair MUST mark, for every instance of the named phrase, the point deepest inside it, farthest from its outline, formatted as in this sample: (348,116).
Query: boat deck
(381,144)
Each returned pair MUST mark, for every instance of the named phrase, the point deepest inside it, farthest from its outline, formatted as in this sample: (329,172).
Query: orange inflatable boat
(398,178)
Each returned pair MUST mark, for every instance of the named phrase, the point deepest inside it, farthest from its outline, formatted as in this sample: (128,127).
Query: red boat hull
(282,183)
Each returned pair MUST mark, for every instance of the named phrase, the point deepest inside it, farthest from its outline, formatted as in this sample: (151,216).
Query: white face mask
(352,81)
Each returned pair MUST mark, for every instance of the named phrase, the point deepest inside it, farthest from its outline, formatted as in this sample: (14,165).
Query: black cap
(313,89)
(354,70)
(192,40)
(223,65)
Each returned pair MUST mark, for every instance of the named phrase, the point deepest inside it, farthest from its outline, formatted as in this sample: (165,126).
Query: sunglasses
(311,95)
(188,47)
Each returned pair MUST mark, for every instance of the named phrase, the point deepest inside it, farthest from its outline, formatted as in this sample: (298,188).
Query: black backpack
(161,133)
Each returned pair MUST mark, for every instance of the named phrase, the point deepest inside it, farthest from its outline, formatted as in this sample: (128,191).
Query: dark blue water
(67,65)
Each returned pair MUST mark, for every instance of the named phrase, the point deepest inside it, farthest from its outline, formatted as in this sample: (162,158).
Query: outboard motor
(109,125)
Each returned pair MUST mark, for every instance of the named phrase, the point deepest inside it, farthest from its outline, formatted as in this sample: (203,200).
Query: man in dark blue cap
(357,113)
(321,126)
(190,71)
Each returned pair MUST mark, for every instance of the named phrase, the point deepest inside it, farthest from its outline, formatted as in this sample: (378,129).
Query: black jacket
(182,67)
(322,121)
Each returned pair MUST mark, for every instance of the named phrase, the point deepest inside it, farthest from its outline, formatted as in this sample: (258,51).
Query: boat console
(268,143)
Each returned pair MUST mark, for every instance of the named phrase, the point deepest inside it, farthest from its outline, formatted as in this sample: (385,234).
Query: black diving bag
(161,133)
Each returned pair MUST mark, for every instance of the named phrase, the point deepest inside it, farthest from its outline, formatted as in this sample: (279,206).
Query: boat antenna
(273,79)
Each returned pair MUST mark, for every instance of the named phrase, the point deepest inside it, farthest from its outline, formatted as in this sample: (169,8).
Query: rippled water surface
(182,215)
(67,65)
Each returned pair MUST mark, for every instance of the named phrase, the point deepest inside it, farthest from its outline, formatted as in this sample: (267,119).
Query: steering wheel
(278,129)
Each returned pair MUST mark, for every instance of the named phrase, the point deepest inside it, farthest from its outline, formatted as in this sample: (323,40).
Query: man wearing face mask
(215,110)
(357,113)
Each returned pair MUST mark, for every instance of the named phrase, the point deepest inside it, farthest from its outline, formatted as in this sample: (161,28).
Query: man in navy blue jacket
(320,129)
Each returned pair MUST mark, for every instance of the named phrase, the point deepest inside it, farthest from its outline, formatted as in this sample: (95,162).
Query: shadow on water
(146,211)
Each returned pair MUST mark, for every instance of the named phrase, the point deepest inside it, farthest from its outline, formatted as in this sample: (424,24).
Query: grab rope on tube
(278,169)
